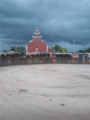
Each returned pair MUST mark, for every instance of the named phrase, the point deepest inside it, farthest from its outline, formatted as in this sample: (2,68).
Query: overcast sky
(62,20)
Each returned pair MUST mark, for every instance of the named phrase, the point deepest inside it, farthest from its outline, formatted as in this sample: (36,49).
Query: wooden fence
(7,62)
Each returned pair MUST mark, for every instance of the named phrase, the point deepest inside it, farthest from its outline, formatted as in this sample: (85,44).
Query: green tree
(4,50)
(12,48)
(86,50)
(20,49)
(64,50)
(59,49)
(81,51)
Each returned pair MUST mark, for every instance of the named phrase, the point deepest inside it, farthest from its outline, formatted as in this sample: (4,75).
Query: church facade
(37,44)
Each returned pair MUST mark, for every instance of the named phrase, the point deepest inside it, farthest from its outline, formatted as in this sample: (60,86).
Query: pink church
(37,44)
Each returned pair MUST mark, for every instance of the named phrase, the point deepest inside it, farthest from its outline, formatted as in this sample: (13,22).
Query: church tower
(37,36)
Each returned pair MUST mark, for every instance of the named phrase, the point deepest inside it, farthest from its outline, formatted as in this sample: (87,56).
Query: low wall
(41,61)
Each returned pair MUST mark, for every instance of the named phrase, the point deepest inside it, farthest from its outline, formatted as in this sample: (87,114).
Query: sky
(62,20)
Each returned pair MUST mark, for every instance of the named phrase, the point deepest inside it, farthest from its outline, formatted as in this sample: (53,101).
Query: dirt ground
(45,92)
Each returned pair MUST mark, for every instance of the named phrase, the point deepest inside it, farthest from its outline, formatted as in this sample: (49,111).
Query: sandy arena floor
(45,92)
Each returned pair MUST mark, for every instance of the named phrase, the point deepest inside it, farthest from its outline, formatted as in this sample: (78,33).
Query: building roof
(9,53)
(35,53)
(44,53)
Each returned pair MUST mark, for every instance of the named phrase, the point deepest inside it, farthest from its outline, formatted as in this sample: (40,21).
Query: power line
(67,39)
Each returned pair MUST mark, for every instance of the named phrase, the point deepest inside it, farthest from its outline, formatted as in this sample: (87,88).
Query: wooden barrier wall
(41,61)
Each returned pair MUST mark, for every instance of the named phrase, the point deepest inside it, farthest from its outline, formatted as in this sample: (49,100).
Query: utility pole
(54,45)
(3,48)
(54,48)
(74,46)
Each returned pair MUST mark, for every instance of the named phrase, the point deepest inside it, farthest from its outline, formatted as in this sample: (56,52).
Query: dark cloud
(61,20)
